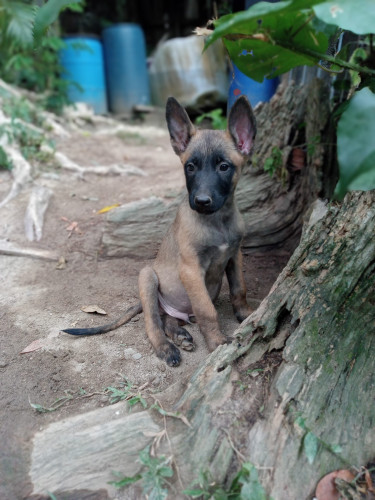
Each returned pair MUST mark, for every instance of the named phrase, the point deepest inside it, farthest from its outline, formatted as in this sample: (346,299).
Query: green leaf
(355,144)
(41,409)
(125,481)
(271,38)
(358,17)
(310,446)
(194,493)
(47,14)
(21,19)
(336,448)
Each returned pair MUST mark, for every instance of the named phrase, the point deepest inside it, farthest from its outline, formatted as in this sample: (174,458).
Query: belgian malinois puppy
(203,241)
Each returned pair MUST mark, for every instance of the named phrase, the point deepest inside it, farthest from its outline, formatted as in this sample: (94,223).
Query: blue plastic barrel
(126,67)
(83,62)
(256,92)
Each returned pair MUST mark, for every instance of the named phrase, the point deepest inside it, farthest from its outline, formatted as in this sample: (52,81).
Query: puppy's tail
(130,313)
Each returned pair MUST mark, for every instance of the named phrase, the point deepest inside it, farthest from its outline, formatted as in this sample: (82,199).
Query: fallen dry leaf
(72,226)
(369,482)
(326,488)
(108,208)
(93,309)
(34,346)
(61,263)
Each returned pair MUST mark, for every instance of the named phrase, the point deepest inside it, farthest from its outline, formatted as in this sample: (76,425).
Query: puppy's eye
(224,167)
(190,167)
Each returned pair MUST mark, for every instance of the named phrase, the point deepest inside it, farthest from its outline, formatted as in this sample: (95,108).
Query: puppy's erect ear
(242,125)
(179,125)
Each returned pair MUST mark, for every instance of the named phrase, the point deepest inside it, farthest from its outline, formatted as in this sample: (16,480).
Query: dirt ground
(38,300)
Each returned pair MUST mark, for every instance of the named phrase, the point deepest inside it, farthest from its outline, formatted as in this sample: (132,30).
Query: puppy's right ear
(180,127)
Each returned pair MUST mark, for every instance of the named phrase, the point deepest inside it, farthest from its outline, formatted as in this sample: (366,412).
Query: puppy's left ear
(242,125)
(180,127)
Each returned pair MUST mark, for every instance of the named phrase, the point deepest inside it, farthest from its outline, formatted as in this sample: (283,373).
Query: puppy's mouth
(205,210)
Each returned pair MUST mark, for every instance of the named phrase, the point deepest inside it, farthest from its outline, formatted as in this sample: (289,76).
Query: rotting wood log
(273,209)
(301,364)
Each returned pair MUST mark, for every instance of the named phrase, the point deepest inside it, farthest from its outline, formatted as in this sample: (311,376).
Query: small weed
(218,121)
(245,485)
(254,370)
(274,163)
(55,405)
(311,443)
(241,385)
(176,414)
(5,163)
(311,146)
(126,391)
(153,477)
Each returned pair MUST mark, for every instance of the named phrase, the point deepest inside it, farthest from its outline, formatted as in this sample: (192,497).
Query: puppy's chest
(217,252)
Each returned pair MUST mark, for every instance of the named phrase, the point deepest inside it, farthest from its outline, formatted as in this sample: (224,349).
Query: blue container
(126,67)
(256,92)
(83,62)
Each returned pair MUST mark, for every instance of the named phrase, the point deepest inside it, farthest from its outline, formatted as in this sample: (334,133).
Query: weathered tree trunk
(305,364)
(296,117)
(314,339)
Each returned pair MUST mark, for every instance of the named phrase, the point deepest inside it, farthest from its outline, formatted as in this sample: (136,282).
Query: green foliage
(218,120)
(358,17)
(274,163)
(153,477)
(16,23)
(125,391)
(39,70)
(54,406)
(25,128)
(245,486)
(355,144)
(5,162)
(271,38)
(29,59)
(47,14)
(311,443)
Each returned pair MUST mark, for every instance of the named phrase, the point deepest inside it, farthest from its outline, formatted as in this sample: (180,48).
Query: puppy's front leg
(192,277)
(148,291)
(237,287)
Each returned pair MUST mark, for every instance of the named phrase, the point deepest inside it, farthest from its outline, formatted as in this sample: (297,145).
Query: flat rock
(81,452)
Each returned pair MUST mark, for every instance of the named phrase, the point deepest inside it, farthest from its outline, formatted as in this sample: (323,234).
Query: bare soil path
(38,300)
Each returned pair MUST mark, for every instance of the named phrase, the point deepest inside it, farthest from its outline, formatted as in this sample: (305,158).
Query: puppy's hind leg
(148,290)
(177,334)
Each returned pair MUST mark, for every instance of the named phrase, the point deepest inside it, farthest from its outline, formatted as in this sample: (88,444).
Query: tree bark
(313,337)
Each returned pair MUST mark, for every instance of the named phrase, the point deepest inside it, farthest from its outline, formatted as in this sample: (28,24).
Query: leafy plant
(218,120)
(245,486)
(273,164)
(271,38)
(311,443)
(29,58)
(54,406)
(125,392)
(153,477)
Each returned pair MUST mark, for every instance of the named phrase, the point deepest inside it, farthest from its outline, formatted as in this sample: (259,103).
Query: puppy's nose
(203,200)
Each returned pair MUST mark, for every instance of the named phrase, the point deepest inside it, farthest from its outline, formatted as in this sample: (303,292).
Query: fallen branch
(124,169)
(9,248)
(21,172)
(35,211)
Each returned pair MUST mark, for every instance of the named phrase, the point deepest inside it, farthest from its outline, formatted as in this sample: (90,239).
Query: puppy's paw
(214,342)
(242,314)
(169,353)
(183,339)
